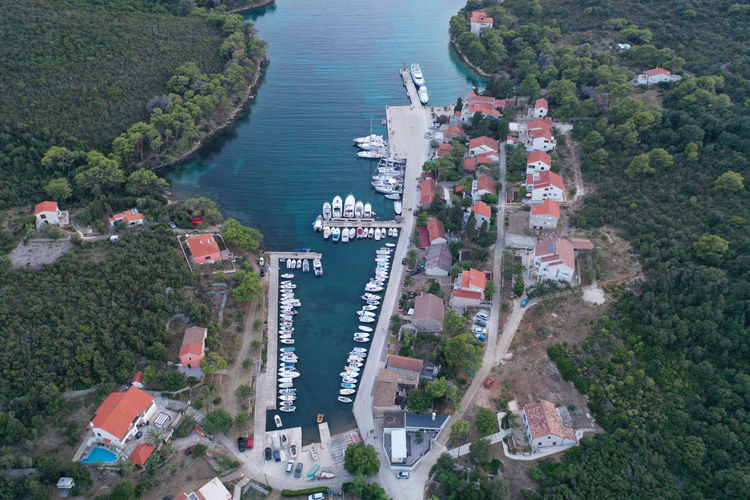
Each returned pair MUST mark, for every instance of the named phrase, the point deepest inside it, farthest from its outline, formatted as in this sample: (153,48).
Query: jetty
(411,90)
(363,223)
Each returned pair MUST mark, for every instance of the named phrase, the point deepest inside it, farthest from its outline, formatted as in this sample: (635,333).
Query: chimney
(433,416)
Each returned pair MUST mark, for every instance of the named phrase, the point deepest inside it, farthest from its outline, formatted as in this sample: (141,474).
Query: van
(403,475)
(289,466)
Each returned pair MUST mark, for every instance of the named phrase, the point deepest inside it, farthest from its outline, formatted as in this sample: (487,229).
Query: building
(554,259)
(47,212)
(544,216)
(117,418)
(454,131)
(140,453)
(436,231)
(539,135)
(481,145)
(193,348)
(424,237)
(212,490)
(541,108)
(203,249)
(545,185)
(656,75)
(392,387)
(482,213)
(137,380)
(429,190)
(624,46)
(428,313)
(468,289)
(538,161)
(404,363)
(130,217)
(472,164)
(486,105)
(443,149)
(411,438)
(480,22)
(438,260)
(425,422)
(483,185)
(544,427)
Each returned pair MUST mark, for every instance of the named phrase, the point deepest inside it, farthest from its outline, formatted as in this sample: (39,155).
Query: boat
(349,383)
(359,209)
(335,234)
(286,403)
(285,380)
(327,210)
(370,296)
(363,340)
(367,211)
(352,233)
(360,233)
(346,385)
(288,391)
(346,392)
(337,206)
(293,450)
(370,233)
(287,275)
(288,349)
(373,154)
(288,363)
(416,75)
(275,440)
(344,399)
(320,418)
(291,263)
(289,373)
(318,224)
(326,232)
(349,204)
(367,138)
(317,267)
(286,385)
(299,266)
(390,245)
(397,207)
(348,373)
(288,263)
(286,341)
(315,469)
(287,397)
(284,440)
(366,313)
(366,319)
(373,288)
(288,409)
(360,349)
(377,234)
(352,368)
(277,420)
(361,327)
(344,235)
(369,308)
(423,97)
(305,266)
(393,196)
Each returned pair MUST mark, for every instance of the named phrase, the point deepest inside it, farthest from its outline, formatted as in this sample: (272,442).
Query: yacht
(318,267)
(368,138)
(359,209)
(367,212)
(372,144)
(373,154)
(394,195)
(349,204)
(377,234)
(338,205)
(326,232)
(423,97)
(335,234)
(397,207)
(416,75)
(326,210)
(318,224)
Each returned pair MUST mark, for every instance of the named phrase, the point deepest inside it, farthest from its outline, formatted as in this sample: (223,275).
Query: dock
(363,223)
(411,89)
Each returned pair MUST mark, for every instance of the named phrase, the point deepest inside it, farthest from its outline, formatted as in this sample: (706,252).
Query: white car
(316,496)
(483,315)
(479,329)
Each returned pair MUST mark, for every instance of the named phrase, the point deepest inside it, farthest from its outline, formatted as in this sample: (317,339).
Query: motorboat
(275,440)
(373,288)
(317,267)
(363,328)
(416,75)
(366,313)
(286,385)
(423,97)
(305,266)
(349,204)
(369,296)
(373,154)
(287,275)
(347,373)
(288,263)
(284,440)
(287,349)
(326,232)
(327,210)
(286,341)
(395,233)
(391,245)
(287,391)
(383,251)
(351,381)
(366,319)
(286,403)
(335,234)
(288,373)
(363,340)
(368,138)
(344,235)
(288,409)
(367,211)
(337,207)
(285,380)
(291,263)
(347,385)
(343,399)
(299,266)
(360,349)
(287,397)
(319,420)
(360,232)
(289,364)
(359,209)
(352,233)
(370,233)
(377,234)
(326,475)
(373,144)
(277,421)
(369,308)
(346,392)
(293,450)
(318,224)
(354,369)
(397,207)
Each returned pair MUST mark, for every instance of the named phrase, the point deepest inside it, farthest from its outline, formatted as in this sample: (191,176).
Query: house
(411,438)
(481,145)
(443,149)
(483,185)
(436,231)
(404,363)
(544,427)
(480,22)
(482,212)
(47,212)
(538,161)
(541,108)
(425,422)
(656,75)
(539,135)
(392,387)
(130,217)
(428,313)
(203,248)
(193,348)
(554,259)
(137,380)
(544,216)
(429,189)
(468,289)
(140,453)
(471,164)
(438,260)
(117,418)
(454,131)
(212,490)
(424,237)
(545,185)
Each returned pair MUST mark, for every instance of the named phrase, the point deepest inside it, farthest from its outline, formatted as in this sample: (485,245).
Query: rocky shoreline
(262,3)
(466,61)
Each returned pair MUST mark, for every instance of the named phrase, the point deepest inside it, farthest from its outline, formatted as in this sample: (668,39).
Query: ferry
(423,97)
(337,207)
(416,75)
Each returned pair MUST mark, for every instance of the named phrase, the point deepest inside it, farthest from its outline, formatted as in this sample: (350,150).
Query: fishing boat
(293,450)
(327,210)
(277,421)
(423,97)
(397,207)
(288,409)
(361,327)
(349,204)
(344,235)
(317,267)
(318,224)
(346,392)
(284,440)
(337,206)
(360,232)
(416,75)
(326,232)
(347,385)
(344,399)
(335,234)
(305,266)
(367,211)
(320,418)
(359,209)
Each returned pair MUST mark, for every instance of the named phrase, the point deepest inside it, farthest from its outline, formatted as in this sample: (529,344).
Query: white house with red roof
(482,213)
(554,259)
(538,161)
(47,212)
(544,427)
(545,185)
(203,248)
(483,184)
(656,75)
(428,189)
(540,109)
(539,135)
(480,22)
(487,105)
(483,145)
(118,417)
(130,217)
(436,231)
(468,289)
(545,215)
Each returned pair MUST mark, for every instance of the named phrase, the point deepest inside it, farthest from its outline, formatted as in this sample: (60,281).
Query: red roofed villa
(541,108)
(118,417)
(428,313)
(483,185)
(130,217)
(539,135)
(429,189)
(544,426)
(484,144)
(545,185)
(47,212)
(657,75)
(454,131)
(468,289)
(203,248)
(193,348)
(443,149)
(538,161)
(480,22)
(554,259)
(436,231)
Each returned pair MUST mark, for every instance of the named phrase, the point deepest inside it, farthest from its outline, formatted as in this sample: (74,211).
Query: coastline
(475,69)
(262,3)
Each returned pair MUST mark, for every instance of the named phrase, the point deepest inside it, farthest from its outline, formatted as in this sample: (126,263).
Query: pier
(411,89)
(363,223)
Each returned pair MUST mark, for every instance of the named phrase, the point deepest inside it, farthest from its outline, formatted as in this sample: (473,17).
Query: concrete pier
(363,223)
(411,89)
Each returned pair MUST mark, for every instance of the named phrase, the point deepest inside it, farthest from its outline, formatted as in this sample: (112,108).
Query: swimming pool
(99,455)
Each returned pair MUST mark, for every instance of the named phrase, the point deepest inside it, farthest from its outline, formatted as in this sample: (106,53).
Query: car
(483,315)
(415,271)
(172,225)
(421,265)
(524,302)
(480,337)
(479,329)
(316,496)
(268,453)
(298,470)
(489,382)
(189,450)
(403,261)
(402,475)
(289,466)
(276,456)
(249,443)
(241,444)
(262,271)
(138,434)
(480,322)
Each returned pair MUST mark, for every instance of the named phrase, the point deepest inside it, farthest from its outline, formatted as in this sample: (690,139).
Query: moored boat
(424,98)
(318,267)
(416,75)
(277,420)
(349,204)
(360,231)
(344,399)
(335,234)
(288,409)
(318,224)
(346,392)
(337,207)
(344,235)
(397,207)
(287,275)
(370,233)
(305,266)
(327,210)
(326,232)
(359,209)
(377,234)
(367,211)
(363,328)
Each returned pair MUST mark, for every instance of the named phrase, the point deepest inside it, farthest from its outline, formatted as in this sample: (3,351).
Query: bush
(486,422)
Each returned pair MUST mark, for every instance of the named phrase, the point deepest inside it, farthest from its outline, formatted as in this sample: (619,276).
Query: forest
(667,370)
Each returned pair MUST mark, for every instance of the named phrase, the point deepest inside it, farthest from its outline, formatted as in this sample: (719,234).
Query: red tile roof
(473,278)
(119,410)
(481,208)
(484,141)
(404,363)
(487,183)
(430,306)
(544,179)
(429,188)
(45,206)
(454,131)
(424,237)
(543,419)
(556,251)
(540,128)
(484,108)
(460,187)
(193,341)
(435,229)
(541,104)
(541,156)
(480,17)
(141,453)
(202,245)
(658,71)
(137,378)
(549,207)
(444,148)
(581,244)
(470,165)
(467,294)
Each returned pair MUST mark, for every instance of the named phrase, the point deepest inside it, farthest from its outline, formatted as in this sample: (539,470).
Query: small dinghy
(344,399)
(390,245)
(287,276)
(363,328)
(346,392)
(286,385)
(288,409)
(277,420)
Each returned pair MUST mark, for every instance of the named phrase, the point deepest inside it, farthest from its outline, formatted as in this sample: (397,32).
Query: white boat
(326,232)
(337,206)
(288,391)
(291,263)
(360,349)
(348,373)
(335,234)
(344,235)
(287,275)
(288,263)
(359,209)
(327,210)
(383,251)
(416,75)
(293,450)
(275,441)
(360,233)
(318,224)
(288,409)
(377,143)
(369,296)
(305,266)
(287,341)
(373,288)
(365,328)
(369,308)
(277,420)
(352,233)
(299,266)
(366,319)
(349,204)
(284,440)
(423,97)
(366,313)
(367,211)
(343,399)
(370,233)
(397,207)
(326,475)
(377,234)
(360,339)
(393,196)
(373,154)
(286,385)
(317,267)
(352,381)
(288,374)
(368,138)
(287,397)
(346,392)
(287,349)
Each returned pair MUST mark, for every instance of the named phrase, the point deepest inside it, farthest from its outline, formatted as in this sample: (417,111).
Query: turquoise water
(333,67)
(99,455)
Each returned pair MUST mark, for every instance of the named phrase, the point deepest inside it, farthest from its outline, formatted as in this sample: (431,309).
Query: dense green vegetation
(457,483)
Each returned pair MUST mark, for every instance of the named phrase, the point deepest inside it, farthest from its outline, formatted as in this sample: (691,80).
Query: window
(540,443)
(554,443)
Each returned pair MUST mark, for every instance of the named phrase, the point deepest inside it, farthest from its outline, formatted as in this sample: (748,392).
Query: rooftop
(555,251)
(541,104)
(541,156)
(430,306)
(487,183)
(193,340)
(404,363)
(472,278)
(119,410)
(439,255)
(545,178)
(425,420)
(481,208)
(549,207)
(141,453)
(435,229)
(202,245)
(45,206)
(543,419)
(484,141)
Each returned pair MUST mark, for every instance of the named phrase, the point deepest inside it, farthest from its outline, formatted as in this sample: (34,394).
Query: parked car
(403,261)
(289,466)
(480,337)
(480,322)
(415,271)
(524,302)
(189,450)
(298,470)
(249,443)
(479,329)
(402,475)
(241,444)
(138,434)
(268,453)
(489,382)
(171,224)
(316,496)
(276,456)
(483,315)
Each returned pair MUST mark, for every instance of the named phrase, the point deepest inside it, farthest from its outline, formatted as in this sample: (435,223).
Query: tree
(529,86)
(659,159)
(422,218)
(437,388)
(728,182)
(212,364)
(247,238)
(361,460)
(172,380)
(144,181)
(490,289)
(243,392)
(599,157)
(58,189)
(62,159)
(248,288)
(639,165)
(459,429)
(710,247)
(518,288)
(100,173)
(203,207)
(594,140)
(217,421)
(200,449)
(123,491)
(486,422)
(480,451)
(418,401)
(360,488)
(454,323)
(149,375)
(242,420)
(461,350)
(154,436)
